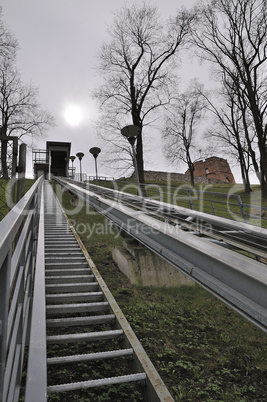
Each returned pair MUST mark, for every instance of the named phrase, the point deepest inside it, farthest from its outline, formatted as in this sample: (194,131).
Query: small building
(52,161)
(215,168)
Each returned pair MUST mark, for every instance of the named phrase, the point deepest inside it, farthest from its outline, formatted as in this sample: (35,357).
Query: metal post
(80,155)
(96,172)
(72,170)
(72,158)
(95,151)
(241,206)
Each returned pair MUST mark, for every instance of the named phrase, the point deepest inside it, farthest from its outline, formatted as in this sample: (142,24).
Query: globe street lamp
(131,132)
(95,151)
(72,158)
(80,155)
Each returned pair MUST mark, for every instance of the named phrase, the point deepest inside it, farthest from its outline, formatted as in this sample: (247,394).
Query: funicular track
(207,257)
(90,345)
(238,236)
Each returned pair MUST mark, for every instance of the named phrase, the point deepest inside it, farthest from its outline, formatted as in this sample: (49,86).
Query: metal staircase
(90,345)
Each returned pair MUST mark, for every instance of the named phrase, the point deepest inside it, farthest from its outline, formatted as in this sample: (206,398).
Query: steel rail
(237,280)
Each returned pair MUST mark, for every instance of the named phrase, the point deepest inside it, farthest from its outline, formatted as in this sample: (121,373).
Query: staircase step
(61,249)
(70,287)
(62,254)
(65,259)
(96,383)
(79,321)
(60,241)
(111,354)
(79,264)
(76,308)
(67,271)
(70,279)
(64,297)
(87,336)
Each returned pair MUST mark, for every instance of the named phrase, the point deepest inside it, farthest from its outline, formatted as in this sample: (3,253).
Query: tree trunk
(247,188)
(263,178)
(244,169)
(192,179)
(139,157)
(139,143)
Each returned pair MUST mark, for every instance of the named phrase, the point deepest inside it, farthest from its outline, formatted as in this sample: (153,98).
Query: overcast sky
(59,41)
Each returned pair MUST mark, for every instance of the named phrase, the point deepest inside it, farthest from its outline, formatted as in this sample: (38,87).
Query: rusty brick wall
(180,177)
(214,168)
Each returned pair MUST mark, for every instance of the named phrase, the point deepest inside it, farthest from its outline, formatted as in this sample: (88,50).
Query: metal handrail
(18,241)
(37,367)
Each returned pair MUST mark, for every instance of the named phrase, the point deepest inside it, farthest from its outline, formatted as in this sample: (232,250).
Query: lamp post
(131,132)
(80,155)
(72,158)
(95,151)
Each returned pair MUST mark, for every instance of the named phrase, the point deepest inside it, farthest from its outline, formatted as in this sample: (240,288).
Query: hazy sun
(73,115)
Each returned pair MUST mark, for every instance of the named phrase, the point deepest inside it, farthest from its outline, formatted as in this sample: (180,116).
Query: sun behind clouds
(73,115)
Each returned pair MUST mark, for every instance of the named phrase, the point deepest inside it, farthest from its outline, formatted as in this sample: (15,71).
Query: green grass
(5,195)
(203,350)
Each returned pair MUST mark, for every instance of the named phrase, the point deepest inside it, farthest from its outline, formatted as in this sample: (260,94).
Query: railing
(226,205)
(18,251)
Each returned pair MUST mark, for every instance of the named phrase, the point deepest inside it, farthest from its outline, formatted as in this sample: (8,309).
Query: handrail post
(4,305)
(241,206)
(189,199)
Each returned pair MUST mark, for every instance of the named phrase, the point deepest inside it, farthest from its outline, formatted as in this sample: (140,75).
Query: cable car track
(238,236)
(233,277)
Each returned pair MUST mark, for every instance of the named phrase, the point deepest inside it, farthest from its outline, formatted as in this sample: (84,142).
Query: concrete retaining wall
(145,268)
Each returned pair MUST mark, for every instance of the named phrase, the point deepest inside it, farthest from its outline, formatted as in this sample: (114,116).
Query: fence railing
(18,251)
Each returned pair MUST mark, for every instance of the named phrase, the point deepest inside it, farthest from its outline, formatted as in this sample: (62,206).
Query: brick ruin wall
(214,167)
(164,176)
(212,170)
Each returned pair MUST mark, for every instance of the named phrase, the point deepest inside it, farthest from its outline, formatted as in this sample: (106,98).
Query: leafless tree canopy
(8,43)
(232,34)
(20,111)
(180,134)
(135,65)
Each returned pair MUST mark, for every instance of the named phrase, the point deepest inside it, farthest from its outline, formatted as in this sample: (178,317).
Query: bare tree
(232,34)
(232,128)
(135,64)
(8,43)
(180,135)
(20,113)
